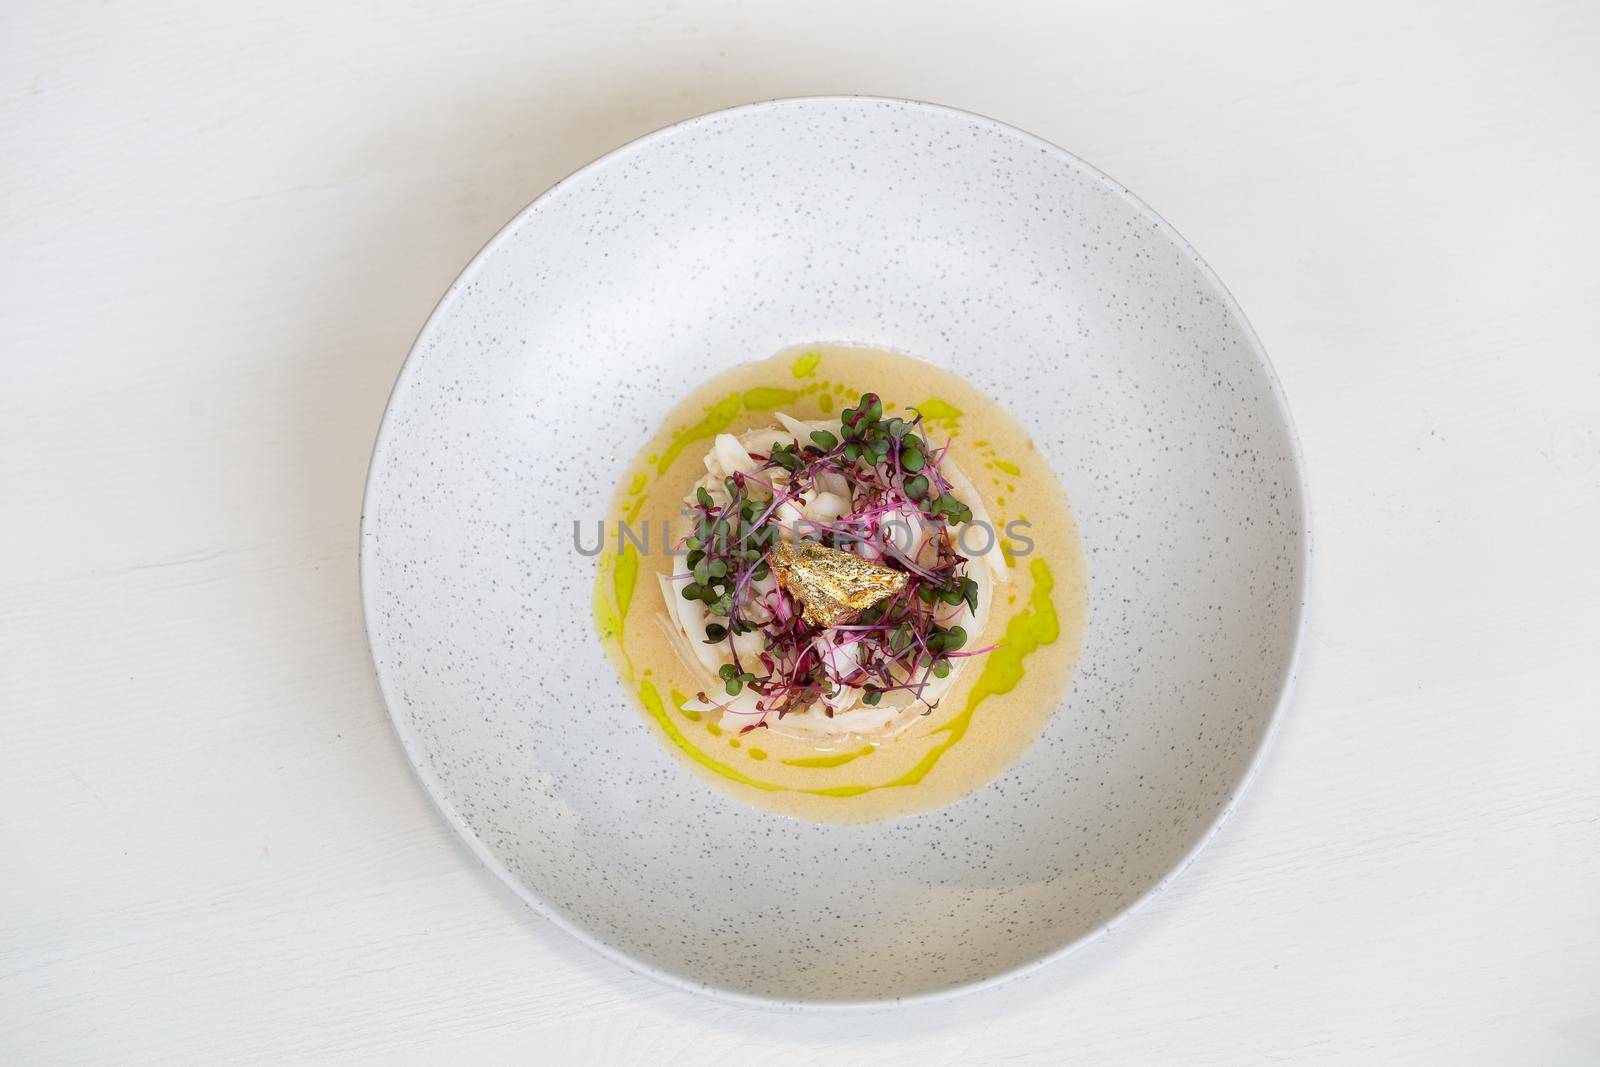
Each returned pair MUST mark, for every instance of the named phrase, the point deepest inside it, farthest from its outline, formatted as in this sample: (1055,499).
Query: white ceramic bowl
(726,238)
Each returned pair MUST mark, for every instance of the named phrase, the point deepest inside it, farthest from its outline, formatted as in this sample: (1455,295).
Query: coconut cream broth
(1002,698)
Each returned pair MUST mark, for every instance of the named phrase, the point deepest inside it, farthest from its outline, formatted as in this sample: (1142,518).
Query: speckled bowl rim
(1286,683)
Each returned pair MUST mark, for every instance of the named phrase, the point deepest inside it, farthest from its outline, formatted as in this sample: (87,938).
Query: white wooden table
(220,227)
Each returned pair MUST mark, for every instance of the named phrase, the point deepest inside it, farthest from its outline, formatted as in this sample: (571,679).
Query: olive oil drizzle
(1002,668)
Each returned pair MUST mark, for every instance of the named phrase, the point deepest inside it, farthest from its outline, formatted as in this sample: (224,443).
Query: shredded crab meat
(894,497)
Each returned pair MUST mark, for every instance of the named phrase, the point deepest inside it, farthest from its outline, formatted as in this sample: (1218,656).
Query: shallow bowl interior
(934,232)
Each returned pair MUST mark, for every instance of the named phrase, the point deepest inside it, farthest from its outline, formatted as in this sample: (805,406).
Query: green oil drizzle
(941,413)
(1005,546)
(720,418)
(765,398)
(637,493)
(624,578)
(716,421)
(805,366)
(652,704)
(606,619)
(838,759)
(1010,468)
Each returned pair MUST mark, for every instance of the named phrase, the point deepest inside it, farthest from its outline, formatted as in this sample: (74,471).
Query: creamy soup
(1000,699)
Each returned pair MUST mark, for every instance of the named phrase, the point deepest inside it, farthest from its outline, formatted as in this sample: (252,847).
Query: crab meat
(838,717)
(826,507)
(729,457)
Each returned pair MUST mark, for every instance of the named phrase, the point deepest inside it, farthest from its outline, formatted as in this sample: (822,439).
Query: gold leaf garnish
(833,587)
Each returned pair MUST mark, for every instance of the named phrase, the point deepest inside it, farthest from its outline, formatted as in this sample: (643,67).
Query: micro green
(898,645)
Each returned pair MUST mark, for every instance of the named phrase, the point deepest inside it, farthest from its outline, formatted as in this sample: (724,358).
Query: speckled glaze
(727,238)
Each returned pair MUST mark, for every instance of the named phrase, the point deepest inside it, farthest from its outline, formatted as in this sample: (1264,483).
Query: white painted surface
(220,228)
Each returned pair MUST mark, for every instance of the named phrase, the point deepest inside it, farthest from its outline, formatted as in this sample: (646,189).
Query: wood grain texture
(222,224)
